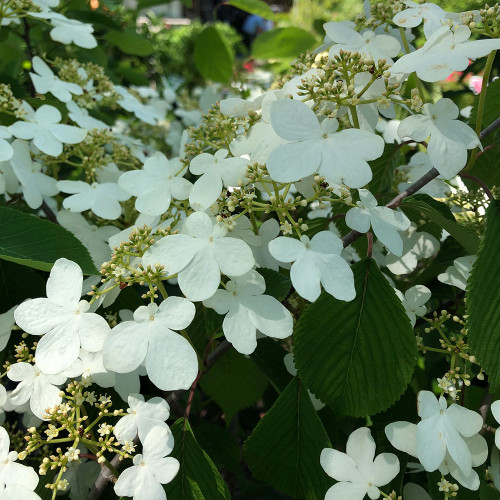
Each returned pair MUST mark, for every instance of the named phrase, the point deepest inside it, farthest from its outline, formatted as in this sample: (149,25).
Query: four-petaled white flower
(156,184)
(248,310)
(316,262)
(62,319)
(170,360)
(339,156)
(35,386)
(458,274)
(413,301)
(82,118)
(449,138)
(141,418)
(384,221)
(44,128)
(200,255)
(444,52)
(143,112)
(45,82)
(151,469)
(430,13)
(216,171)
(68,31)
(358,471)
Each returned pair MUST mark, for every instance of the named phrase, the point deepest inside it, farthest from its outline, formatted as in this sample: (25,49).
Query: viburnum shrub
(307,280)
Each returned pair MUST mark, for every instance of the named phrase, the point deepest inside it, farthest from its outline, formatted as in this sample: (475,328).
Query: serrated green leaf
(465,236)
(282,43)
(198,477)
(277,285)
(234,383)
(358,356)
(212,55)
(130,42)
(483,298)
(257,7)
(34,242)
(284,448)
(383,169)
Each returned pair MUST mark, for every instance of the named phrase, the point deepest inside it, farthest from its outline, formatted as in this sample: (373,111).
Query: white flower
(71,31)
(384,221)
(142,417)
(340,156)
(430,13)
(45,82)
(103,199)
(7,323)
(316,262)
(449,138)
(358,471)
(8,180)
(18,491)
(268,231)
(216,171)
(444,52)
(35,184)
(6,151)
(368,44)
(82,118)
(170,360)
(72,454)
(62,319)
(413,301)
(44,128)
(143,112)
(89,365)
(248,310)
(156,184)
(200,256)
(151,469)
(36,386)
(495,410)
(458,274)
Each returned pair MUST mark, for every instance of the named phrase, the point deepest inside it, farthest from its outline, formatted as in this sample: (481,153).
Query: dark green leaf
(198,477)
(285,447)
(220,445)
(491,106)
(212,55)
(282,43)
(488,492)
(465,236)
(483,298)
(277,285)
(234,383)
(257,7)
(130,42)
(357,356)
(383,169)
(38,243)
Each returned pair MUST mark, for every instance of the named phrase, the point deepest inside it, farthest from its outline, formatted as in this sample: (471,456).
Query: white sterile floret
(44,128)
(13,474)
(62,319)
(6,150)
(248,310)
(316,262)
(35,386)
(340,156)
(151,469)
(430,13)
(45,82)
(128,102)
(358,471)
(34,183)
(142,416)
(458,274)
(90,367)
(444,52)
(449,138)
(268,231)
(495,410)
(384,221)
(82,118)
(156,184)
(413,301)
(103,199)
(216,171)
(68,31)
(443,429)
(7,323)
(368,44)
(200,255)
(170,360)
(17,491)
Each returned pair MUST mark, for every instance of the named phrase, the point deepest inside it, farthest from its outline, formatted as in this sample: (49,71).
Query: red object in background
(250,66)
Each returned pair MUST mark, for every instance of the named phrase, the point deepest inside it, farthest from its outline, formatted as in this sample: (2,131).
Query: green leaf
(198,477)
(257,7)
(483,298)
(212,55)
(34,242)
(282,43)
(491,106)
(234,383)
(465,236)
(285,447)
(130,42)
(277,285)
(486,168)
(220,445)
(383,169)
(488,492)
(357,356)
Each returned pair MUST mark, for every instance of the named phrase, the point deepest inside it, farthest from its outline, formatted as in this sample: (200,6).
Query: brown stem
(49,213)
(490,128)
(369,237)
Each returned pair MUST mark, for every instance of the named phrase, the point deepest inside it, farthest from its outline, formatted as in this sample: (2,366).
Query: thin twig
(490,128)
(486,190)
(105,477)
